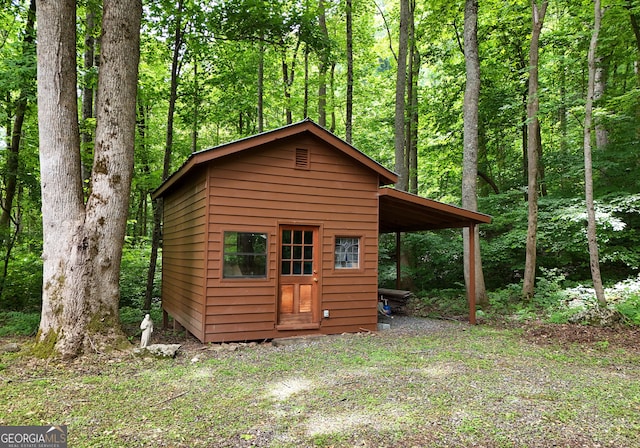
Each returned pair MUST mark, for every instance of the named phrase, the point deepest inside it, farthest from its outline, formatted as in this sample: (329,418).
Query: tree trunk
(196,107)
(168,150)
(525,144)
(286,82)
(332,97)
(470,156)
(11,175)
(401,86)
(261,87)
(412,122)
(349,105)
(413,72)
(635,26)
(324,67)
(588,166)
(305,105)
(88,84)
(82,244)
(600,82)
(538,13)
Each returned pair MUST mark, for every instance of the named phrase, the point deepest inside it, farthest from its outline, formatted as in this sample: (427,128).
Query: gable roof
(399,211)
(386,176)
(405,212)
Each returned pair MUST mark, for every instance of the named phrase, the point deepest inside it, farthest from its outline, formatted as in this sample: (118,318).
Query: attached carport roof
(405,212)
(400,211)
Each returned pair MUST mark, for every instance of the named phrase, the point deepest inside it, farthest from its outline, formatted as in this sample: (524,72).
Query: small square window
(347,253)
(245,255)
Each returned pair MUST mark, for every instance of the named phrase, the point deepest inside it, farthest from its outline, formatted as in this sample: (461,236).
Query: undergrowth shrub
(133,275)
(22,289)
(630,309)
(439,303)
(558,303)
(16,323)
(132,316)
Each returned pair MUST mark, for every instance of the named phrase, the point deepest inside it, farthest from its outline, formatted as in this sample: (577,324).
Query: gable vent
(302,158)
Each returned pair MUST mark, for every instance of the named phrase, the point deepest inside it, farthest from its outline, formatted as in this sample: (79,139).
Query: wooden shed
(276,235)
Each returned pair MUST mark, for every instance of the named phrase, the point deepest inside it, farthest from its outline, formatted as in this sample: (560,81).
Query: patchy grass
(450,386)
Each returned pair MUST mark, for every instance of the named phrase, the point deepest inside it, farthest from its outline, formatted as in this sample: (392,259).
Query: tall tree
(401,86)
(349,104)
(20,110)
(533,144)
(82,245)
(470,144)
(176,65)
(594,258)
(413,75)
(24,97)
(324,66)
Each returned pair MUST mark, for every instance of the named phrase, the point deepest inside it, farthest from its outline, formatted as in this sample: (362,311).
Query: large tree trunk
(470,156)
(82,244)
(413,72)
(588,167)
(401,84)
(533,145)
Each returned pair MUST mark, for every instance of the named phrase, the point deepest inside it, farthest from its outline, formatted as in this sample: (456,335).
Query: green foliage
(440,303)
(630,309)
(23,285)
(16,323)
(562,245)
(435,258)
(133,275)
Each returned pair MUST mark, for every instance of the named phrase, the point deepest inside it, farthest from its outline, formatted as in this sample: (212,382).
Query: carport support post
(398,267)
(471,287)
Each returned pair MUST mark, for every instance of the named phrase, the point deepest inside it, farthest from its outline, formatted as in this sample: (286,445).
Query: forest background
(213,72)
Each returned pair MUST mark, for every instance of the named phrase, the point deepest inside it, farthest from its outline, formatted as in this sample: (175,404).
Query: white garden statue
(147,328)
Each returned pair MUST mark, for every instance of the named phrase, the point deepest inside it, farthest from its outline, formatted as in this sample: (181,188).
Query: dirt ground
(620,336)
(537,332)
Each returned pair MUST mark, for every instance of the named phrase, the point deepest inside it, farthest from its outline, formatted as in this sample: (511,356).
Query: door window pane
(297,252)
(308,268)
(308,237)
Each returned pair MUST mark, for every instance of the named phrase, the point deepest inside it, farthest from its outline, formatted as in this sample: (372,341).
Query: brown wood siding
(183,254)
(261,189)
